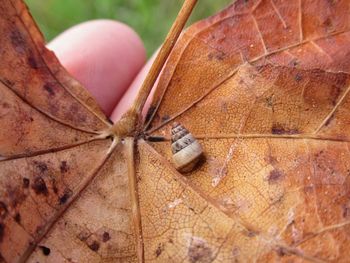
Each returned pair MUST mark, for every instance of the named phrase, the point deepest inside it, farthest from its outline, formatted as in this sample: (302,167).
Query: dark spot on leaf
(5,105)
(83,235)
(346,211)
(15,196)
(235,252)
(335,93)
(54,186)
(274,176)
(32,62)
(150,112)
(3,210)
(159,249)
(298,77)
(269,101)
(41,166)
(281,252)
(329,120)
(2,231)
(46,251)
(25,182)
(217,55)
(279,129)
(39,186)
(17,41)
(250,233)
(199,251)
(67,194)
(165,118)
(94,246)
(327,22)
(64,167)
(49,89)
(106,237)
(18,217)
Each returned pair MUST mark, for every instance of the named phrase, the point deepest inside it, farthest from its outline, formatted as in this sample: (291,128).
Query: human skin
(108,58)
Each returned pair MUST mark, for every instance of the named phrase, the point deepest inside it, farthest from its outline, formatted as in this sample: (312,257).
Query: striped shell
(185,148)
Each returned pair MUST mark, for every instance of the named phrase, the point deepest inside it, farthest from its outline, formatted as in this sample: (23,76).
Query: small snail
(186,149)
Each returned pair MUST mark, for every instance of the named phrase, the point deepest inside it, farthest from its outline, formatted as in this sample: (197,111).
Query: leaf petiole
(131,121)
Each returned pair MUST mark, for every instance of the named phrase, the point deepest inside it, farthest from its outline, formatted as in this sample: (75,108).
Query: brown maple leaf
(263,86)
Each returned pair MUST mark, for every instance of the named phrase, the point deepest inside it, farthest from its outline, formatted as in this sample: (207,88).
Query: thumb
(104,55)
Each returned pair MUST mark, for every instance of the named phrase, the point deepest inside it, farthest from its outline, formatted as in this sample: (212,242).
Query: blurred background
(151,19)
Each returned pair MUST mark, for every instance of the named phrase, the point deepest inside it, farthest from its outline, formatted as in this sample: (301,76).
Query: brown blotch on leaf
(83,235)
(15,195)
(64,167)
(250,233)
(199,251)
(94,246)
(3,210)
(269,101)
(298,77)
(66,195)
(217,55)
(328,21)
(18,217)
(17,41)
(32,62)
(346,211)
(49,89)
(281,252)
(39,186)
(5,105)
(279,130)
(105,236)
(25,182)
(274,176)
(41,166)
(159,249)
(54,186)
(46,251)
(335,93)
(294,63)
(329,120)
(165,118)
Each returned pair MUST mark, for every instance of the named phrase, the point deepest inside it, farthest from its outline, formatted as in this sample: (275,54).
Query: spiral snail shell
(185,148)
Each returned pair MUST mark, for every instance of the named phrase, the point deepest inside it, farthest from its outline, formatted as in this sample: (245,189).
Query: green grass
(151,19)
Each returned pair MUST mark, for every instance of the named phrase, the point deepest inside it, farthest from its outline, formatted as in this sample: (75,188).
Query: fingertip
(104,55)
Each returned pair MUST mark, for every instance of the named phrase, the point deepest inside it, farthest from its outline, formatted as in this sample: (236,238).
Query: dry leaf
(263,86)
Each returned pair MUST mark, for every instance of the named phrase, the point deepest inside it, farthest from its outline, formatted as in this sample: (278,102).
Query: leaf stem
(132,118)
(134,197)
(163,54)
